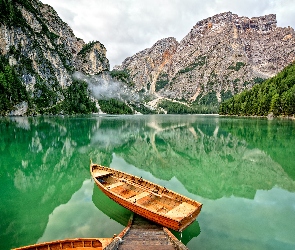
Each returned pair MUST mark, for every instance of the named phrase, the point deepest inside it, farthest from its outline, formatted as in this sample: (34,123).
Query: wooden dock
(142,234)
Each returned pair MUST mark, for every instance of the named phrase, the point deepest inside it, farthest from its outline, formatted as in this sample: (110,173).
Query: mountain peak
(221,56)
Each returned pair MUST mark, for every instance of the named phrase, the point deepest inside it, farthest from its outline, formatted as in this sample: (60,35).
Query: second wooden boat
(145,198)
(68,244)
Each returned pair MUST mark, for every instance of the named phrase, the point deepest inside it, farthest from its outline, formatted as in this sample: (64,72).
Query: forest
(274,96)
(46,98)
(12,91)
(173,107)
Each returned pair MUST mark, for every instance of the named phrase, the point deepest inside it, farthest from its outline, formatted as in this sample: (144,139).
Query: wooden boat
(122,215)
(67,244)
(145,198)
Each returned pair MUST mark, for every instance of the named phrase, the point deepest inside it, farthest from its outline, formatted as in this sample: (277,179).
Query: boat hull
(67,244)
(177,224)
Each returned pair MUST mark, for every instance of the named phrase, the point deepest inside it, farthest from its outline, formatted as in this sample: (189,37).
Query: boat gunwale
(180,222)
(70,240)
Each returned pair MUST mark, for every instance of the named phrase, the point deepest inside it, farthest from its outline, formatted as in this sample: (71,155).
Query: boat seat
(101,173)
(181,210)
(116,184)
(138,197)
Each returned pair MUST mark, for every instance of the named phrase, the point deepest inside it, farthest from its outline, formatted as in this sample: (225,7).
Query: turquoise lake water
(242,170)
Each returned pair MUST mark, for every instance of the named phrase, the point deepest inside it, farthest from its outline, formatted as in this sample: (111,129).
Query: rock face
(224,55)
(92,59)
(44,48)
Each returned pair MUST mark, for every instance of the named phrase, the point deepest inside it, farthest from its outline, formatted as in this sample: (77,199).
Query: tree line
(45,98)
(179,108)
(12,91)
(275,95)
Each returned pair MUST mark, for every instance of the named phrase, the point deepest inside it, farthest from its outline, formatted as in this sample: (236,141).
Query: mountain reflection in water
(240,169)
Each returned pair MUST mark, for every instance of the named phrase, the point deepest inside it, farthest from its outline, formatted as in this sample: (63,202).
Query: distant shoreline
(241,116)
(257,116)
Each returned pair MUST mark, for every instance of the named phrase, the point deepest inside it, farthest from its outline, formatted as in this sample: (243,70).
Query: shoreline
(258,116)
(241,116)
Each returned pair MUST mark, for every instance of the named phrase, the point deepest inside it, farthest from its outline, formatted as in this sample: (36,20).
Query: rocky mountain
(221,56)
(43,49)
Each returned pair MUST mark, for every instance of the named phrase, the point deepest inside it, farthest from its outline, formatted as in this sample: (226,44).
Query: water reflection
(40,168)
(233,222)
(265,222)
(80,218)
(214,163)
(224,163)
(275,138)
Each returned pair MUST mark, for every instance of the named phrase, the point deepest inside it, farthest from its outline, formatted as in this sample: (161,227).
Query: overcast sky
(129,26)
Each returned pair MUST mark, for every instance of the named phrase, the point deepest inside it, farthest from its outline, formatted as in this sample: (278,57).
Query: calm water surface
(242,170)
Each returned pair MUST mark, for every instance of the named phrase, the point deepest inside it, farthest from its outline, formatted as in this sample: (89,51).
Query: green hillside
(44,99)
(12,91)
(275,95)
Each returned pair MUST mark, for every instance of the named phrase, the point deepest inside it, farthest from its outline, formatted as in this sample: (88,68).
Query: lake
(242,170)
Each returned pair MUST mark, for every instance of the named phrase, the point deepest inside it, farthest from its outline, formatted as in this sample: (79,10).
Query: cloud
(126,27)
(103,87)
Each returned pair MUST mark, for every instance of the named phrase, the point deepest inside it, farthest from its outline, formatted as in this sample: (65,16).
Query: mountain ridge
(223,54)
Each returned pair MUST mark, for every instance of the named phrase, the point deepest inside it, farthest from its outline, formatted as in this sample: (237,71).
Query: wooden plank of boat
(67,244)
(145,198)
